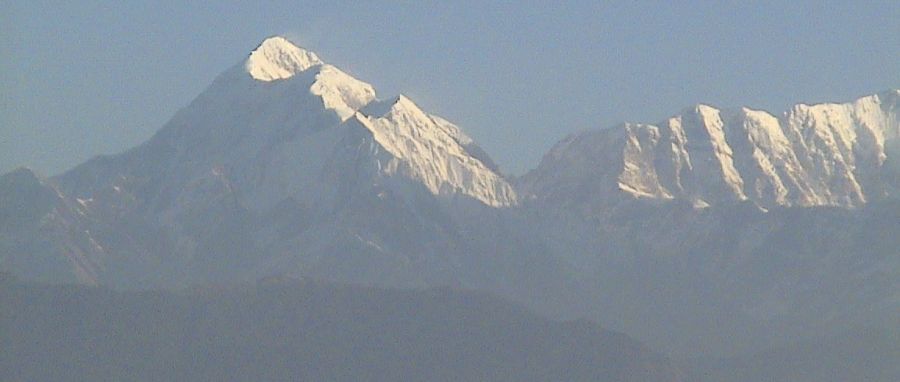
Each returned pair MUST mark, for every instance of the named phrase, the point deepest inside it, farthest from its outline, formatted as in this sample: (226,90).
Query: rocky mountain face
(44,235)
(820,155)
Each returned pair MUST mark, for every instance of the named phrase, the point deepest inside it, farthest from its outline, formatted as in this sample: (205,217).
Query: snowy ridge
(276,58)
(818,155)
(426,148)
(431,150)
(341,92)
(283,164)
(283,124)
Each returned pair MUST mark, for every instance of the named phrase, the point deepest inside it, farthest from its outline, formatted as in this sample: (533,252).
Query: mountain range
(821,155)
(712,232)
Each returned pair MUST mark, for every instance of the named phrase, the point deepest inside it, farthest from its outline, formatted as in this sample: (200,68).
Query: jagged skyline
(287,166)
(592,66)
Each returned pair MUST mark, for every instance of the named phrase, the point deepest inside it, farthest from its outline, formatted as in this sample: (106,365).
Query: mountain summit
(283,164)
(288,167)
(287,115)
(276,58)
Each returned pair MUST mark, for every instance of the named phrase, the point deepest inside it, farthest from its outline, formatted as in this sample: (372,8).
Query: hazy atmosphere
(85,78)
(391,192)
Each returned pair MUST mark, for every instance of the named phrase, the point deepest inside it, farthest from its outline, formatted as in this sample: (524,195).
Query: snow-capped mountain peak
(284,124)
(283,164)
(276,58)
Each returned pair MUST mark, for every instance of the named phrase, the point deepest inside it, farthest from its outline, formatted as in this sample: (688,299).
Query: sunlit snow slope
(284,164)
(812,155)
(280,123)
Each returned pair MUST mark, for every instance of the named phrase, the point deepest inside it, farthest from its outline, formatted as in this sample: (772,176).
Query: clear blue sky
(77,80)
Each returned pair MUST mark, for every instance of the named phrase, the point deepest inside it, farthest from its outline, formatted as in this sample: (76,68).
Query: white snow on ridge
(710,119)
(427,149)
(278,136)
(276,58)
(430,151)
(341,92)
(452,130)
(827,154)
